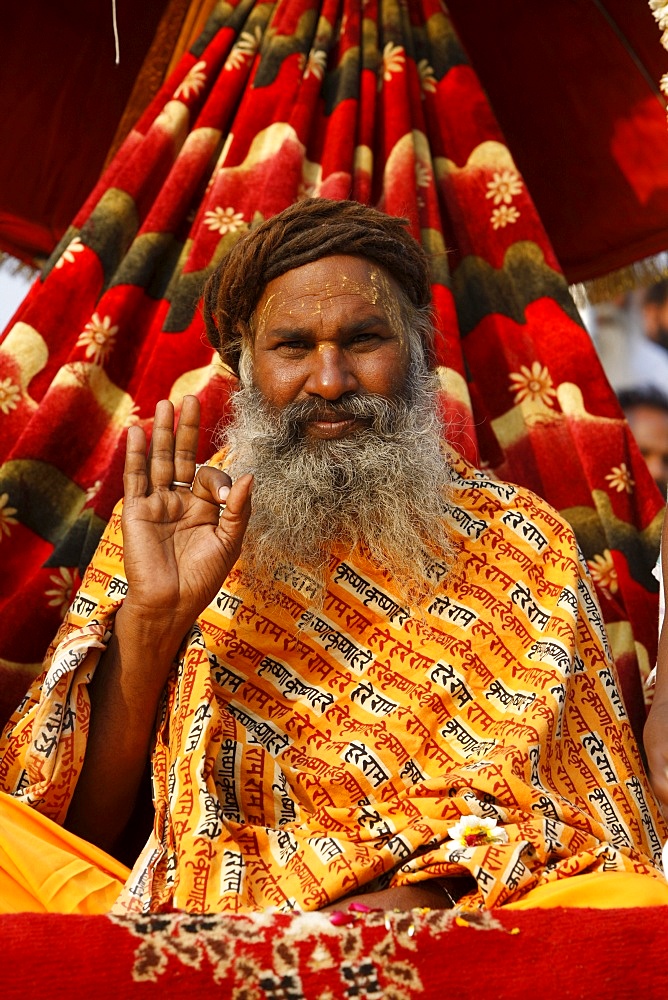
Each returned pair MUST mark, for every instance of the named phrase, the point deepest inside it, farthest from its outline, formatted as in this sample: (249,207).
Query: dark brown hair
(301,234)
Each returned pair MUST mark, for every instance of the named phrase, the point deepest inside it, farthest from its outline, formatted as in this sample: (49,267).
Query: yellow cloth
(598,891)
(303,755)
(46,869)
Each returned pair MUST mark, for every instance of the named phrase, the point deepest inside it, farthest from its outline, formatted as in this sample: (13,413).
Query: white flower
(393,60)
(427,78)
(503,187)
(98,338)
(63,591)
(476,831)
(193,81)
(660,10)
(250,43)
(75,246)
(6,518)
(9,395)
(503,216)
(620,479)
(224,220)
(92,491)
(316,63)
(235,59)
(246,47)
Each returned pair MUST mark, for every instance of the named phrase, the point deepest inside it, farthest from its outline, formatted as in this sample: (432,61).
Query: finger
(161,452)
(237,507)
(209,483)
(135,480)
(186,440)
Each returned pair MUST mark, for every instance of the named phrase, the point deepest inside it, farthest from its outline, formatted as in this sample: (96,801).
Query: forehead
(649,422)
(327,287)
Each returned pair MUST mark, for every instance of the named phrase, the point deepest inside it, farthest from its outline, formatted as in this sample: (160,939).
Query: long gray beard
(382,491)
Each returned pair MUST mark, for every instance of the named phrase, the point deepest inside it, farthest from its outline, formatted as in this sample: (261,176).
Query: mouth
(329,428)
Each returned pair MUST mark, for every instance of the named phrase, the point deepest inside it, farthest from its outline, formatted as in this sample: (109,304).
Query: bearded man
(384,678)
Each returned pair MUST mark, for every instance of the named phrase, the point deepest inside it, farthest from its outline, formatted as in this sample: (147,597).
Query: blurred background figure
(655,313)
(628,332)
(629,358)
(646,410)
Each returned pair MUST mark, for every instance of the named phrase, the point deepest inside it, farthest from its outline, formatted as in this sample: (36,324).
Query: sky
(13,289)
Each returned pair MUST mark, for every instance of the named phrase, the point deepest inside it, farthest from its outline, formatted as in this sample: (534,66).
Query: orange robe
(303,755)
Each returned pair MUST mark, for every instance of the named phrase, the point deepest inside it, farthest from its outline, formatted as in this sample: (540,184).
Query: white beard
(383,490)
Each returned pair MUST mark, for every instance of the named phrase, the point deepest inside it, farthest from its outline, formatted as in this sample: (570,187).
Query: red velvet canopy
(575,87)
(573,83)
(61,98)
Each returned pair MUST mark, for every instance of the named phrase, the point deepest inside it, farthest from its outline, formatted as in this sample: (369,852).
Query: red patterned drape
(277,101)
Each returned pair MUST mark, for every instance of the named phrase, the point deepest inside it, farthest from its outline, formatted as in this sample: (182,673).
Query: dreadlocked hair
(301,234)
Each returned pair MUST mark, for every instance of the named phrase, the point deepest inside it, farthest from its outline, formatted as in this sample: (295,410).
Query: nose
(331,373)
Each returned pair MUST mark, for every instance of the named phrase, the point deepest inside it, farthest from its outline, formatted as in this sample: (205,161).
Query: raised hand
(178,549)
(178,546)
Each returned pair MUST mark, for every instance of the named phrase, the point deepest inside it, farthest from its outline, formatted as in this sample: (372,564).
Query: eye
(292,347)
(366,339)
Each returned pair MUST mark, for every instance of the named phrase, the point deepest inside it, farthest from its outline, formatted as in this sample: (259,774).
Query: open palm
(178,546)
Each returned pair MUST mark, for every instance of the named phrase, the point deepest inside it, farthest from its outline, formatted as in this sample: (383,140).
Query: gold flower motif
(224,220)
(620,479)
(98,338)
(92,491)
(245,48)
(393,60)
(503,216)
(603,572)
(533,383)
(9,395)
(193,81)
(63,590)
(67,256)
(503,187)
(427,78)
(316,63)
(6,518)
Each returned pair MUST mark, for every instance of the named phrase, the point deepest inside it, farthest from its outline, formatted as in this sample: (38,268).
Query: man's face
(656,322)
(337,419)
(649,425)
(326,330)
